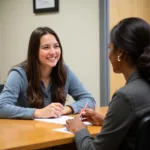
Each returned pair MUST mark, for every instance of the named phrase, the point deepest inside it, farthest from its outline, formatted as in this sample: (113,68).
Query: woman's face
(113,57)
(49,51)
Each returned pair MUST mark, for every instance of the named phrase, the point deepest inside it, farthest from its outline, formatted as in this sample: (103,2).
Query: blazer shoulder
(133,91)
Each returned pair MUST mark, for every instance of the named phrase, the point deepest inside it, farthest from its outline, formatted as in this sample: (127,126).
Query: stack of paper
(61,120)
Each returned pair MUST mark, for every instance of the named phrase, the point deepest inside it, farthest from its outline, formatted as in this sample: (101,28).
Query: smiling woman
(49,52)
(37,87)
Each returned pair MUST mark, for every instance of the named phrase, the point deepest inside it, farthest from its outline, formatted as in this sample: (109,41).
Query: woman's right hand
(93,117)
(52,110)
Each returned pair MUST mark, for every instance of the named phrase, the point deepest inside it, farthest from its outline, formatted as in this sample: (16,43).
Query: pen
(83,110)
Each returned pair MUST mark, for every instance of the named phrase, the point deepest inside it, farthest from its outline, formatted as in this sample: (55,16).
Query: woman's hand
(75,125)
(93,117)
(52,110)
(67,110)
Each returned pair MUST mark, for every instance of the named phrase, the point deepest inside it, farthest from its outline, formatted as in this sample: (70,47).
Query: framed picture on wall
(41,6)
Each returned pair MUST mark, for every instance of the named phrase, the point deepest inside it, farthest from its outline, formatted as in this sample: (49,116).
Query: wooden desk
(31,134)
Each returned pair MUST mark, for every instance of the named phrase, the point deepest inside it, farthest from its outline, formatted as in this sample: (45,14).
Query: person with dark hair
(130,55)
(38,87)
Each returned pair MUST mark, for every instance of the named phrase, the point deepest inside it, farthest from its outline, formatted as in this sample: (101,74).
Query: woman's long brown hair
(32,68)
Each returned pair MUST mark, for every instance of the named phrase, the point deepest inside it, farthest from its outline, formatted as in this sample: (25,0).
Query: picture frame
(44,6)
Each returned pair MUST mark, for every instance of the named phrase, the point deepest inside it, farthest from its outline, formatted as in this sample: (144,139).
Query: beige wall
(77,25)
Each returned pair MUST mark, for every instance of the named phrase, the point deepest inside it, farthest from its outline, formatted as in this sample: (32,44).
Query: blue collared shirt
(13,98)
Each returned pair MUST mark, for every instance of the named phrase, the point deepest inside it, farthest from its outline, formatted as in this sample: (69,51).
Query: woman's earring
(118,58)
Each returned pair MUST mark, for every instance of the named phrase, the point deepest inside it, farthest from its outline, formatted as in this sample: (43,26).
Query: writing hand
(93,117)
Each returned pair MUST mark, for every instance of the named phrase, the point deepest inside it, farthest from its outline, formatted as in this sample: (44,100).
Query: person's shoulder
(19,70)
(123,96)
(136,87)
(121,92)
(68,70)
(67,67)
(71,76)
(125,91)
(134,90)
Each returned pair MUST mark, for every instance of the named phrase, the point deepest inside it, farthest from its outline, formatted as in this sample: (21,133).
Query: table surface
(32,134)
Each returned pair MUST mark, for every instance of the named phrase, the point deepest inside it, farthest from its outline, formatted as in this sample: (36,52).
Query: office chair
(143,134)
(1,87)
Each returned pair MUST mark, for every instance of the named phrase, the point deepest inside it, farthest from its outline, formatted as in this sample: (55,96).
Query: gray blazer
(128,105)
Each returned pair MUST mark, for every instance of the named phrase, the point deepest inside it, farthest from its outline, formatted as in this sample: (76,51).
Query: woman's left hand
(75,125)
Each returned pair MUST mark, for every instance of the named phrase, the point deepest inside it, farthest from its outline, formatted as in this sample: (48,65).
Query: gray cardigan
(119,129)
(13,98)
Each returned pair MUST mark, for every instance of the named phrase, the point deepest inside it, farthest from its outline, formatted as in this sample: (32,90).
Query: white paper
(60,120)
(63,130)
(87,123)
